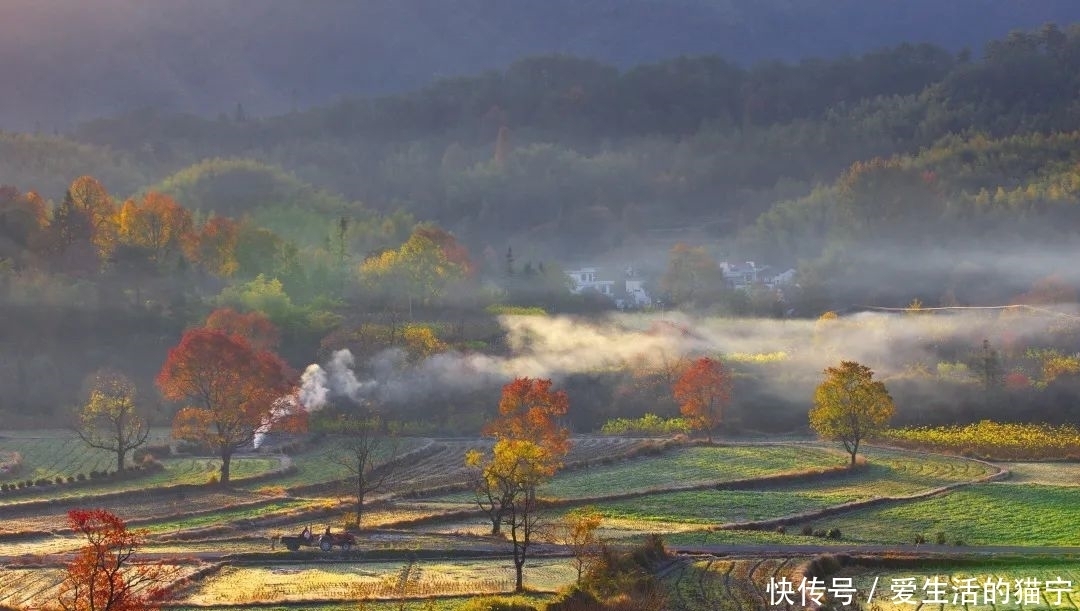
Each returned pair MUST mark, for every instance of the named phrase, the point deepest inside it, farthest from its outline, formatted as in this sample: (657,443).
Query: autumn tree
(850,406)
(253,326)
(104,576)
(419,271)
(215,248)
(157,224)
(92,201)
(233,389)
(579,527)
(691,275)
(529,447)
(516,468)
(109,420)
(703,392)
(368,451)
(530,410)
(23,219)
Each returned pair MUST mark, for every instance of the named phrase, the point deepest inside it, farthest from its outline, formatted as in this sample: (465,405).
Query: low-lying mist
(776,363)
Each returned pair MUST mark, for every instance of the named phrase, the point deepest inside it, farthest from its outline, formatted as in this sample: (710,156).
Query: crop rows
(722,584)
(240,585)
(50,457)
(687,467)
(149,506)
(22,588)
(1004,441)
(983,514)
(34,588)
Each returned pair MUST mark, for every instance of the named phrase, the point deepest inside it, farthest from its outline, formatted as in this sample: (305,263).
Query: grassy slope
(986,514)
(687,467)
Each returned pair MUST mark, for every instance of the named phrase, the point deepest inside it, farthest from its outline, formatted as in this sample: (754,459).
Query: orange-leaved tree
(703,392)
(529,448)
(234,390)
(158,224)
(529,410)
(103,575)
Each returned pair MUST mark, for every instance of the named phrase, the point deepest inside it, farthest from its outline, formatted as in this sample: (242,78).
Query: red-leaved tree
(234,390)
(703,392)
(103,575)
(254,326)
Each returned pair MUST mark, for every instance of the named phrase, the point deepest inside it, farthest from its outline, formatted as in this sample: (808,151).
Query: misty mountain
(69,61)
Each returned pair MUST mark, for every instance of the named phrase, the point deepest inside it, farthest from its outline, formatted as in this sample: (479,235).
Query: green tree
(850,406)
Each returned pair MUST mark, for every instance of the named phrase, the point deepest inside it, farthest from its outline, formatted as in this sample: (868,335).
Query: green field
(985,514)
(321,464)
(888,474)
(181,470)
(688,467)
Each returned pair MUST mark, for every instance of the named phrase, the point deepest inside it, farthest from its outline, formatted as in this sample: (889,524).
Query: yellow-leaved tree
(108,420)
(850,406)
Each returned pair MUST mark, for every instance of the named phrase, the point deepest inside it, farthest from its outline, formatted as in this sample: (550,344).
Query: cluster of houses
(628,289)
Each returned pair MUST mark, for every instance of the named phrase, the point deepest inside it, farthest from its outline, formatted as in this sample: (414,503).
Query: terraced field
(1051,473)
(380,580)
(688,467)
(319,464)
(141,507)
(890,473)
(49,457)
(985,514)
(34,588)
(720,584)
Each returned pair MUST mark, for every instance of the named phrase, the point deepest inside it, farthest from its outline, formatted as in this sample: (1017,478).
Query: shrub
(834,533)
(59,480)
(807,530)
(94,474)
(647,425)
(920,539)
(574,599)
(213,479)
(80,477)
(21,485)
(940,538)
(41,482)
(781,530)
(959,543)
(820,534)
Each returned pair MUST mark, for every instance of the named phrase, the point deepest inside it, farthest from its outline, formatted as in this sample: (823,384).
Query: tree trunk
(226,457)
(518,582)
(120,460)
(854,451)
(359,504)
(496,525)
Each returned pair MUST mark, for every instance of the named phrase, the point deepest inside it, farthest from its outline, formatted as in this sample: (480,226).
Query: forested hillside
(403,227)
(204,57)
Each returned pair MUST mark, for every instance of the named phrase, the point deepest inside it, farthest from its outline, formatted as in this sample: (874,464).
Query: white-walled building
(628,291)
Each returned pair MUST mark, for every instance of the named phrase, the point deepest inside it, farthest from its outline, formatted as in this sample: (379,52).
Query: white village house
(628,291)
